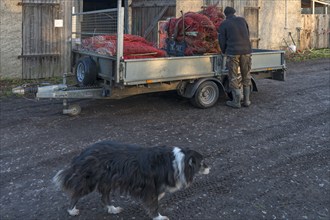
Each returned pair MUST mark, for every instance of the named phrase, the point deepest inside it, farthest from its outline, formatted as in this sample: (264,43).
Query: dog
(143,173)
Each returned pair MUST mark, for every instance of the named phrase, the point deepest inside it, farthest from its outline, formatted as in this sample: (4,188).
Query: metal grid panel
(95,23)
(88,24)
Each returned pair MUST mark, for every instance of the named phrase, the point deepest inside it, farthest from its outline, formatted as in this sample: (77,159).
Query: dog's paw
(160,217)
(73,212)
(114,210)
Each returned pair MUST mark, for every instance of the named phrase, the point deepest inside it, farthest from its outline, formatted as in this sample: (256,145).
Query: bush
(300,56)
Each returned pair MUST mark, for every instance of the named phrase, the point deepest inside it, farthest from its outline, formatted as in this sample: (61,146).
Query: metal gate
(41,40)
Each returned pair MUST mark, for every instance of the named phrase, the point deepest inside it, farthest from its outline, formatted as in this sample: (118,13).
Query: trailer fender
(192,87)
(225,82)
(254,85)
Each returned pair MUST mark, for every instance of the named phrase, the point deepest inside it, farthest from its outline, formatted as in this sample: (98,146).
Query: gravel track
(268,161)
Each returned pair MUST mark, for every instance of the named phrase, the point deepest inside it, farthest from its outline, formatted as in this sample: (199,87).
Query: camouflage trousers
(238,78)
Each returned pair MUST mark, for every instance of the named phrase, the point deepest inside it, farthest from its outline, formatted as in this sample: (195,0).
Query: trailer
(202,79)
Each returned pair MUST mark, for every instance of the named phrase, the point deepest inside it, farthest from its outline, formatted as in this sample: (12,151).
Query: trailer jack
(71,110)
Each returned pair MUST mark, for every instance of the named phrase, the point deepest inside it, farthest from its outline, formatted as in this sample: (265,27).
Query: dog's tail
(67,180)
(58,179)
(80,179)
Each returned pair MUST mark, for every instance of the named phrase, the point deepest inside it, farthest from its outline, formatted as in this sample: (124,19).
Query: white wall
(276,21)
(10,39)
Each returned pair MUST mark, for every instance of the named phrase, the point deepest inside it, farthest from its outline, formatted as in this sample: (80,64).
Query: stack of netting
(197,30)
(214,15)
(135,47)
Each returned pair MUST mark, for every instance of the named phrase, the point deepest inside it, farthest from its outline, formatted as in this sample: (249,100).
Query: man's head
(229,11)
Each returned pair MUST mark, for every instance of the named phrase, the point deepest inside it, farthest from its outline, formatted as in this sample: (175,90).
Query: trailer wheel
(206,95)
(86,71)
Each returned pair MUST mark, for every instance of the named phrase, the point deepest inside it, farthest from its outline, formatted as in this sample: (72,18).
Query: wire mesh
(89,24)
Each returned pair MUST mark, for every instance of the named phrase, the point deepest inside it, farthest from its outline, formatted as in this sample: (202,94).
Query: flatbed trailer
(202,79)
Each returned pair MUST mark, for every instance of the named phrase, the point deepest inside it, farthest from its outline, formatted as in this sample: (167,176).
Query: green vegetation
(301,56)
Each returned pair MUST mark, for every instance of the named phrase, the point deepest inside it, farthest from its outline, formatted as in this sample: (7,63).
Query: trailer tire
(86,71)
(206,95)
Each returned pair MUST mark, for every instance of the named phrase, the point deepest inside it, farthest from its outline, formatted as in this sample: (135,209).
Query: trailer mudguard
(254,85)
(226,84)
(192,87)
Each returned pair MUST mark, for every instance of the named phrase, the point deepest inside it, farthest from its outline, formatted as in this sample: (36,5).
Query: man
(234,40)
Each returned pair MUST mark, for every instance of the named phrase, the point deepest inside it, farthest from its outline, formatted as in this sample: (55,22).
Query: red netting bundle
(214,15)
(198,31)
(134,46)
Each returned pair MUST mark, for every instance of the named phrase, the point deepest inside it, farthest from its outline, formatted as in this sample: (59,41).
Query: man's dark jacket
(234,36)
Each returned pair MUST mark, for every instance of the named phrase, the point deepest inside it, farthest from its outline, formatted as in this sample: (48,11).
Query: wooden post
(67,16)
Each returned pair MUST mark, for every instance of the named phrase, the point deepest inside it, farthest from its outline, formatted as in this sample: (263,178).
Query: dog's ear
(194,159)
(191,161)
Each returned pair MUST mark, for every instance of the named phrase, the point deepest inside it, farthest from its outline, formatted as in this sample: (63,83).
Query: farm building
(35,36)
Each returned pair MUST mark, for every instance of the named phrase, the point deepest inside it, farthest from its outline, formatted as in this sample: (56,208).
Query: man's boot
(246,98)
(236,102)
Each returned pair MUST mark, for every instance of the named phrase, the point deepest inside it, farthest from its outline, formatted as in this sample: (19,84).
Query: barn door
(41,40)
(251,15)
(147,13)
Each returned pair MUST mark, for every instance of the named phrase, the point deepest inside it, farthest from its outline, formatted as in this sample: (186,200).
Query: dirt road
(269,161)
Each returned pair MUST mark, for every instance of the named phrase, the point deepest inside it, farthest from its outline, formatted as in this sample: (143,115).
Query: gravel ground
(269,161)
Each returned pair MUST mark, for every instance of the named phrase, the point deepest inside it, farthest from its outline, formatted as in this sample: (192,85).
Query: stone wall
(10,39)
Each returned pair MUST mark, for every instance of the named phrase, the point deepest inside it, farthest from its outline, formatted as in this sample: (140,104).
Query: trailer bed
(165,69)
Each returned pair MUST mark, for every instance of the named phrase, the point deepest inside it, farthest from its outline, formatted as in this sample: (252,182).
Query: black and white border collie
(143,173)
